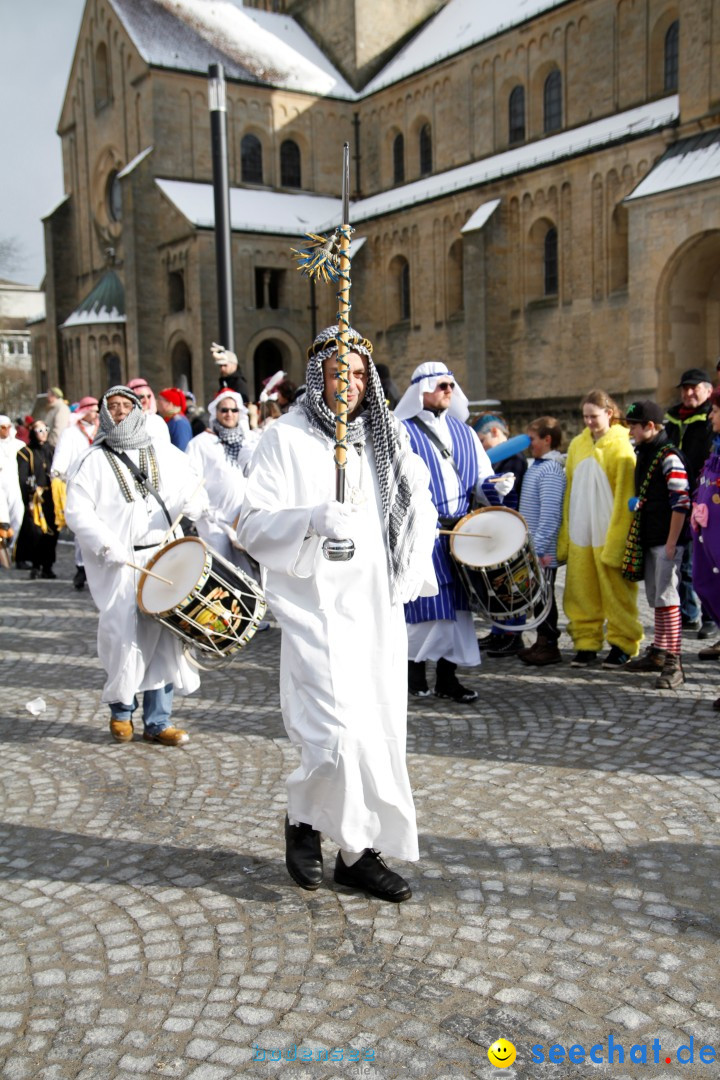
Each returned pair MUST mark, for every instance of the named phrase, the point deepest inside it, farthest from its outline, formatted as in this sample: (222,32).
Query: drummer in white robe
(222,456)
(434,410)
(118,521)
(343,666)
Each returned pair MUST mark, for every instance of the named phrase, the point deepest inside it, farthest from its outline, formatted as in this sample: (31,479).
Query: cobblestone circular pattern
(566,890)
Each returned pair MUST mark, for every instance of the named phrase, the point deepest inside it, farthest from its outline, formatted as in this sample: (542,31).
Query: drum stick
(150,573)
(451,532)
(176,522)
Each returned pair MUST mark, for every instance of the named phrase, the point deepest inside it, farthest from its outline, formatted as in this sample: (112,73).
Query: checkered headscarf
(389,440)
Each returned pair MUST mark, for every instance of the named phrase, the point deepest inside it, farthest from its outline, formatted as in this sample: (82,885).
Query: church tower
(358,36)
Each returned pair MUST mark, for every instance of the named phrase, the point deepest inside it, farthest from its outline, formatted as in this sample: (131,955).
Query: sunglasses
(228,410)
(445,386)
(40,430)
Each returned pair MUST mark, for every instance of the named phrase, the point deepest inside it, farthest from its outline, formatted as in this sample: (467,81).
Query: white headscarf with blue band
(424,381)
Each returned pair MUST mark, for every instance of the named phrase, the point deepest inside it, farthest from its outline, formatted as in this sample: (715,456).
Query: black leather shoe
(303,855)
(371,875)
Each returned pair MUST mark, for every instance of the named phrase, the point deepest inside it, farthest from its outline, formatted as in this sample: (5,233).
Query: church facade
(536,200)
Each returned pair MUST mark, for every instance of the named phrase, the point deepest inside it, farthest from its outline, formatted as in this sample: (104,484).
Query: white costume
(224,480)
(343,686)
(135,650)
(157,428)
(11,504)
(74,442)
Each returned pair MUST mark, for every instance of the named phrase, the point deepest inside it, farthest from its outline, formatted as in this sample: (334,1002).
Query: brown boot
(671,675)
(543,652)
(653,659)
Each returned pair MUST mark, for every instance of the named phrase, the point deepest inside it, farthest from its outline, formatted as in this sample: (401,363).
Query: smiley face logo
(502,1054)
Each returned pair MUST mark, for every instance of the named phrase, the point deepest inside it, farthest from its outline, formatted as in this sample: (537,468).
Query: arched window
(425,147)
(101,79)
(181,366)
(405,292)
(176,291)
(552,102)
(516,115)
(251,164)
(672,43)
(550,262)
(398,149)
(290,175)
(455,299)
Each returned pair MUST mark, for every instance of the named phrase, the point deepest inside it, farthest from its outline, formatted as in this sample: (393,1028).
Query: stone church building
(535,191)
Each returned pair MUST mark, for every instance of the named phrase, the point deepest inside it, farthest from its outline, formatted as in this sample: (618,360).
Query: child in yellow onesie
(596,519)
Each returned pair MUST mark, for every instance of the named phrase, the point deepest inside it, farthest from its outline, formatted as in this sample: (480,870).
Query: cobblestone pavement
(566,890)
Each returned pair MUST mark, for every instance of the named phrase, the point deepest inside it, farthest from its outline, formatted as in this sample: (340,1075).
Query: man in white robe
(74,442)
(118,521)
(343,687)
(434,410)
(222,457)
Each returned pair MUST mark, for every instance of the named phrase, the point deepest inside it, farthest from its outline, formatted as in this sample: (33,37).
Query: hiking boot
(121,730)
(542,653)
(653,659)
(583,658)
(617,657)
(169,736)
(710,652)
(671,675)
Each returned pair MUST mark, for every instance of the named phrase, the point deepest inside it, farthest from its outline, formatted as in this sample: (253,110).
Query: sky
(38,42)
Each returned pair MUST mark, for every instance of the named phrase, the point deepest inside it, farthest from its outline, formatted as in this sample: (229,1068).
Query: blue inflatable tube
(517,445)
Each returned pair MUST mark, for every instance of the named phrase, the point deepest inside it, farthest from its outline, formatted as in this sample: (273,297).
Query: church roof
(254,46)
(277,212)
(105,303)
(456,27)
(689,161)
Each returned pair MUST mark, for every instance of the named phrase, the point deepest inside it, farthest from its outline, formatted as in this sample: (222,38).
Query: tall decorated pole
(329,261)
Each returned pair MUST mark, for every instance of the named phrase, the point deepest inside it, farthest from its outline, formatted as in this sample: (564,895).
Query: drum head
(181,562)
(488,537)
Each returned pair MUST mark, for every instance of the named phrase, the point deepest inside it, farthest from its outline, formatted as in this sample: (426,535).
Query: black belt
(144,547)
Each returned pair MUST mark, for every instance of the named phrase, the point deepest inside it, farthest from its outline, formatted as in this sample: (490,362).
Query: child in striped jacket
(541,504)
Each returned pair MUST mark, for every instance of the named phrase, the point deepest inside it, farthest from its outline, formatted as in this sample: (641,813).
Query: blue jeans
(689,600)
(157,706)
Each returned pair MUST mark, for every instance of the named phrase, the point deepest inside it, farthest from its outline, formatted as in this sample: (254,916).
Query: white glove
(411,587)
(219,352)
(504,484)
(334,519)
(114,553)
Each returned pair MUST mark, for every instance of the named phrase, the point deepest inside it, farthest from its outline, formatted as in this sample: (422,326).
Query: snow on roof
(255,46)
(688,161)
(457,26)
(481,215)
(565,144)
(105,303)
(277,212)
(135,162)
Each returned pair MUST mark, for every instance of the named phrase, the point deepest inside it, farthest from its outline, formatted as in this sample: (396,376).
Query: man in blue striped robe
(434,410)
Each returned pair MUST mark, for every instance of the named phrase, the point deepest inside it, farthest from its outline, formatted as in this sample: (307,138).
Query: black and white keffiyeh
(131,433)
(389,441)
(232,440)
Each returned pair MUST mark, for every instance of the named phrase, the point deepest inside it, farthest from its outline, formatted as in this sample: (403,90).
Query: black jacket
(236,382)
(693,436)
(656,511)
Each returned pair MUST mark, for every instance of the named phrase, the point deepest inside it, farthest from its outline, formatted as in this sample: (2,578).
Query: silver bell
(338,550)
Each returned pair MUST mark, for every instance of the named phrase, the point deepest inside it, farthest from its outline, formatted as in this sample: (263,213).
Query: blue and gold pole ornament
(327,260)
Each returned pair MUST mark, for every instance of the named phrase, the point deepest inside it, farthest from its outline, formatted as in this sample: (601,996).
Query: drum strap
(443,450)
(139,476)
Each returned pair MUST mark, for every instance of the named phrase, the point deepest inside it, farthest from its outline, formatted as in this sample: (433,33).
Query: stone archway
(272,351)
(688,312)
(267,359)
(181,366)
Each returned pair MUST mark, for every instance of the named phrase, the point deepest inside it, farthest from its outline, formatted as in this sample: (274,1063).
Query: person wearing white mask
(440,628)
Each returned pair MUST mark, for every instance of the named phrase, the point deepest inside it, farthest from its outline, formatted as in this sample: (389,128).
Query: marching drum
(210,604)
(499,570)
